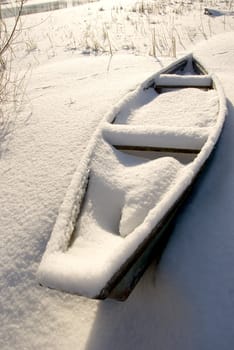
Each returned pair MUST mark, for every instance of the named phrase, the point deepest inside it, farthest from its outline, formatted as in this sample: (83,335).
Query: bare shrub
(11,84)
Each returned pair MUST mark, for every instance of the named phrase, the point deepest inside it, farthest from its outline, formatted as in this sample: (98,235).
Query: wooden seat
(174,81)
(151,138)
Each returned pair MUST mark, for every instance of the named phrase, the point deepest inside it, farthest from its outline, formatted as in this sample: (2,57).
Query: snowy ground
(185,303)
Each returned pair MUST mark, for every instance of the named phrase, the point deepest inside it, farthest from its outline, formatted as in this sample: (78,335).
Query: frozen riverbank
(188,301)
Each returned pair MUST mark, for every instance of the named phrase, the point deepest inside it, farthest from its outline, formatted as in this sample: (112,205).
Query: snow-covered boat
(133,177)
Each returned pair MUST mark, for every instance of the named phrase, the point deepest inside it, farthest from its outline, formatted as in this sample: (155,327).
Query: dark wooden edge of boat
(166,88)
(125,279)
(197,67)
(76,218)
(156,149)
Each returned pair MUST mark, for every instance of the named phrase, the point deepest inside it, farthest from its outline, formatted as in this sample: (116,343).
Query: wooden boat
(136,172)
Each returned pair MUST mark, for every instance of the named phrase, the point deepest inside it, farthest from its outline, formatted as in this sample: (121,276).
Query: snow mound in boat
(180,108)
(122,190)
(150,181)
(122,199)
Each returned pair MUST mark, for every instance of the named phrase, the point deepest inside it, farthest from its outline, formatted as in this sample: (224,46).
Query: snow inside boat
(135,173)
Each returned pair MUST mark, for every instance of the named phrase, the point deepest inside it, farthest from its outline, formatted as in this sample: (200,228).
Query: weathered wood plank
(156,149)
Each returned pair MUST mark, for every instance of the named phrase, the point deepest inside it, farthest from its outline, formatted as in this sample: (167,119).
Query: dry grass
(11,84)
(154,27)
(150,27)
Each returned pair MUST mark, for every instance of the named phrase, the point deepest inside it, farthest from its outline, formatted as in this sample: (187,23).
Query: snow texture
(179,108)
(187,302)
(148,185)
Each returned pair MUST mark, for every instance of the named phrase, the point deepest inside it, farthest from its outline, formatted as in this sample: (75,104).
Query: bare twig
(11,84)
(7,44)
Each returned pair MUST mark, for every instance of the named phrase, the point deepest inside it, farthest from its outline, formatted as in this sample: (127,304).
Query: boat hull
(85,218)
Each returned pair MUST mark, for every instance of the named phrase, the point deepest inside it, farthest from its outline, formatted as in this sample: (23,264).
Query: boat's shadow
(183,300)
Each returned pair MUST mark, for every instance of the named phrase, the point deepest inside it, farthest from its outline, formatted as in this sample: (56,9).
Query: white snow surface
(179,108)
(187,302)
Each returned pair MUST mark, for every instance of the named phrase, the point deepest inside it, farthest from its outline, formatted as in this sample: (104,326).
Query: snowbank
(187,302)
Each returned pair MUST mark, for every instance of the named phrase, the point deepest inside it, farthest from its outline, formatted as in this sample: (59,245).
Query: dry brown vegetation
(11,85)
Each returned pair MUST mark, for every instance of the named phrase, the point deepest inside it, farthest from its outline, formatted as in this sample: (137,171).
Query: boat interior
(126,144)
